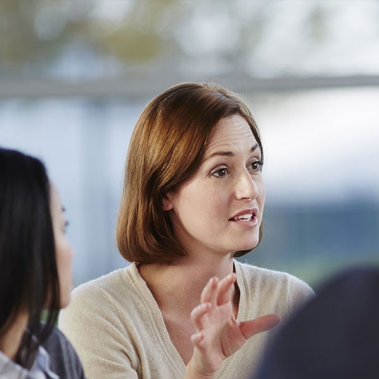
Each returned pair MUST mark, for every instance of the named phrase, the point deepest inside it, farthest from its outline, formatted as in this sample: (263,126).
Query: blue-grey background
(74,77)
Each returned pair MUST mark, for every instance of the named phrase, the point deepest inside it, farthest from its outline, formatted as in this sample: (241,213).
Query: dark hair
(166,148)
(334,336)
(28,270)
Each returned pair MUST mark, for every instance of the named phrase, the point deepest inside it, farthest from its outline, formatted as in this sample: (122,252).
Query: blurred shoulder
(64,360)
(57,342)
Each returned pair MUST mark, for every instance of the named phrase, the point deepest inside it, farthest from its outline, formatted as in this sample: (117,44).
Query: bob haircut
(166,148)
(28,270)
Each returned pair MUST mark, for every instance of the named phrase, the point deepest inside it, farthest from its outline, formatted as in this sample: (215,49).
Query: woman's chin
(252,244)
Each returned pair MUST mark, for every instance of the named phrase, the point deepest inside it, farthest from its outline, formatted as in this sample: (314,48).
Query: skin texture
(229,181)
(63,250)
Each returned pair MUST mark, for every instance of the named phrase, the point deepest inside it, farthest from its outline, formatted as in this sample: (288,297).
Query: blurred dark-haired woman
(35,273)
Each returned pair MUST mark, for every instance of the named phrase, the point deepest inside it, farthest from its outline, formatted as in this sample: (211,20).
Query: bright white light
(210,30)
(321,145)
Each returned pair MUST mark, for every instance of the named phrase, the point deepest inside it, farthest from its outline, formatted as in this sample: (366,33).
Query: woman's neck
(181,283)
(10,342)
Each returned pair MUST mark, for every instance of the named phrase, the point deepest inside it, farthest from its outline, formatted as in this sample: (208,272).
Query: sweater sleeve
(92,324)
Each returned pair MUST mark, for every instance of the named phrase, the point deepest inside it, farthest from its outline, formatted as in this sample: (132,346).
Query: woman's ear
(167,201)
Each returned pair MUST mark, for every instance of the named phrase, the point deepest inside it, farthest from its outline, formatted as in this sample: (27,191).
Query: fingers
(198,313)
(224,289)
(260,324)
(215,294)
(197,338)
(209,293)
(218,292)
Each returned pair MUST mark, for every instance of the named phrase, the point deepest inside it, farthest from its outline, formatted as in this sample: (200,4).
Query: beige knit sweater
(118,331)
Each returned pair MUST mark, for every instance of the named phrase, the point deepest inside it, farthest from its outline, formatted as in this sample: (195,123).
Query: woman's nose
(246,187)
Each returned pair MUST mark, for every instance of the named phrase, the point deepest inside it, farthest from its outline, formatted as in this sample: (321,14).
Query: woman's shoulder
(104,281)
(268,277)
(272,286)
(105,296)
(109,285)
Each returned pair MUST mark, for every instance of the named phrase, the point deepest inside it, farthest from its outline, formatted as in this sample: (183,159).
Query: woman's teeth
(246,217)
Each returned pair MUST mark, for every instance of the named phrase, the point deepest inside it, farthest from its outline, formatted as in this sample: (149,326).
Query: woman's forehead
(231,133)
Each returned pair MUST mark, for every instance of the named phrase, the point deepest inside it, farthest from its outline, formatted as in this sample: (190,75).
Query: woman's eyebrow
(222,154)
(255,147)
(228,153)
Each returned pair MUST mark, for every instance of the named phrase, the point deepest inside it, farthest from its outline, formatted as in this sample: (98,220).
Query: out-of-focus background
(75,75)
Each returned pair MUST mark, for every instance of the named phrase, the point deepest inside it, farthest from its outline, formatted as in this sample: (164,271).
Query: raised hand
(219,335)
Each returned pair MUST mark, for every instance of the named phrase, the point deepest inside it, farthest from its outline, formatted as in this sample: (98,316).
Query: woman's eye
(257,166)
(219,173)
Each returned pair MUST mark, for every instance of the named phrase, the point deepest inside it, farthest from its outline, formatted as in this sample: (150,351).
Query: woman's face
(219,209)
(63,249)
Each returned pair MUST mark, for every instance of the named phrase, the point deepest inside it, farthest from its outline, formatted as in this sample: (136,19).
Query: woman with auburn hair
(35,273)
(193,200)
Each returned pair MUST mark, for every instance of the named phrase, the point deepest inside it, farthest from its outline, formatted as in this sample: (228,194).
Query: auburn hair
(166,148)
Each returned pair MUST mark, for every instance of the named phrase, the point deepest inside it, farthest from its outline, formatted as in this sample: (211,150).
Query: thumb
(260,324)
